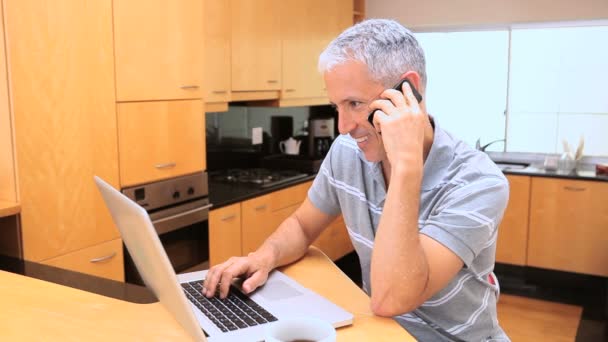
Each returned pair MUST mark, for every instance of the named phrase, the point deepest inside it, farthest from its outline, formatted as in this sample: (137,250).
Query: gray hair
(385,46)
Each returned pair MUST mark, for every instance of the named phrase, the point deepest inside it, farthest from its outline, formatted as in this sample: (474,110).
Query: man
(421,207)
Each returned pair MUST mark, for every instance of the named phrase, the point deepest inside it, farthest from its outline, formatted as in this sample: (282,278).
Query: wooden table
(32,309)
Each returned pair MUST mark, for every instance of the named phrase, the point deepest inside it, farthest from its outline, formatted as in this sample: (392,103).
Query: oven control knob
(190,191)
(176,195)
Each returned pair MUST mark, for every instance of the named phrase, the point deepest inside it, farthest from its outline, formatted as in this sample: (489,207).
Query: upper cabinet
(217,51)
(7,168)
(307,28)
(158,49)
(160,139)
(256,45)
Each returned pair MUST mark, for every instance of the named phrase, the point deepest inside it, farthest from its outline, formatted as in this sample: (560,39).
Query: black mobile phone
(399,87)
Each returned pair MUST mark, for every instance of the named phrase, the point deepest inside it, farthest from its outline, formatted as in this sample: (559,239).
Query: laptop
(240,317)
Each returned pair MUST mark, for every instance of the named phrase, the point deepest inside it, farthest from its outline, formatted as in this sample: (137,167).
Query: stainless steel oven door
(175,217)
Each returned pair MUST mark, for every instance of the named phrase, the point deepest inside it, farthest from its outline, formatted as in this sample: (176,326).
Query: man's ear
(414,79)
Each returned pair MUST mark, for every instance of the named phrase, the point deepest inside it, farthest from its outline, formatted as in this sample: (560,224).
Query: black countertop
(223,194)
(102,286)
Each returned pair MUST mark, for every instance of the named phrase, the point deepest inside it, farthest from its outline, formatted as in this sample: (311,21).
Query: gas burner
(256,176)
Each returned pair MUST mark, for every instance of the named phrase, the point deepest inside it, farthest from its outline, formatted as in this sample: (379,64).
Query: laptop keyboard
(236,311)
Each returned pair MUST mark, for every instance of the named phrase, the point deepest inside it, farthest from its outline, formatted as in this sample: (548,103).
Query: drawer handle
(103,258)
(272,81)
(260,207)
(219,92)
(229,217)
(189,87)
(573,188)
(165,165)
(290,90)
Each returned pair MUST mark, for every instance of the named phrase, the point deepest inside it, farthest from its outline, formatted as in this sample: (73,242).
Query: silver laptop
(239,317)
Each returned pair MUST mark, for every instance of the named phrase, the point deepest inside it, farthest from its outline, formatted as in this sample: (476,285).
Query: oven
(179,210)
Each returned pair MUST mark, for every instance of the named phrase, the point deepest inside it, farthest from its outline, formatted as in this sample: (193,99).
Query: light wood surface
(61,69)
(217,50)
(335,241)
(159,49)
(160,139)
(512,241)
(307,27)
(256,45)
(257,222)
(569,225)
(9,208)
(8,190)
(531,320)
(224,233)
(103,260)
(65,314)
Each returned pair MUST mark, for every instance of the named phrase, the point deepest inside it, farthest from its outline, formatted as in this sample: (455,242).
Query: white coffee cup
(290,146)
(300,329)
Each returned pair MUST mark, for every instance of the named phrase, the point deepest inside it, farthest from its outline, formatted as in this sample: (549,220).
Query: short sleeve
(467,218)
(322,193)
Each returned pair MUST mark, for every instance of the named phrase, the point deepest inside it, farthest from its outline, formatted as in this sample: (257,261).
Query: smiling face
(351,89)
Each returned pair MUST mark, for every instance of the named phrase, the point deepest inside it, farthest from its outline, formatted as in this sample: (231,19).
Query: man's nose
(346,122)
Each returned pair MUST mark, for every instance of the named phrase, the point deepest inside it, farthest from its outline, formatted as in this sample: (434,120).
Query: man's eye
(355,104)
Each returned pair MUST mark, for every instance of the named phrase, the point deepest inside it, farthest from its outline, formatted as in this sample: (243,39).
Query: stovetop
(258,177)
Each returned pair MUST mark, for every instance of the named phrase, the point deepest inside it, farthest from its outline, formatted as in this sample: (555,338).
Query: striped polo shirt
(462,200)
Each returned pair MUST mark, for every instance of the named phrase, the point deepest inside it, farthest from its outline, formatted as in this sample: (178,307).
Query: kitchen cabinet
(158,49)
(7,166)
(102,260)
(217,53)
(160,139)
(241,228)
(307,27)
(568,225)
(61,72)
(512,240)
(224,233)
(256,47)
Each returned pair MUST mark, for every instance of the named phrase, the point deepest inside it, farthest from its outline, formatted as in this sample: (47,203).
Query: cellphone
(398,86)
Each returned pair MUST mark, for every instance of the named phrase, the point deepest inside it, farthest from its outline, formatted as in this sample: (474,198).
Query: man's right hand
(220,276)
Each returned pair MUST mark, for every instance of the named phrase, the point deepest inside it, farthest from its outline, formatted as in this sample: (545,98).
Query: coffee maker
(321,135)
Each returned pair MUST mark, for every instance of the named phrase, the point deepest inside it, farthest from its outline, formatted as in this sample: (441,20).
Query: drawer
(103,260)
(290,196)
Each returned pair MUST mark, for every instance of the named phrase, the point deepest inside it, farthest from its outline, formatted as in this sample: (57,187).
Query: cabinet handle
(289,90)
(165,165)
(260,207)
(103,258)
(219,91)
(229,217)
(573,188)
(272,81)
(189,87)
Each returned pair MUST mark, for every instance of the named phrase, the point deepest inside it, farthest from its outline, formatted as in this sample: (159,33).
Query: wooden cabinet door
(61,70)
(159,140)
(217,50)
(159,49)
(307,28)
(224,233)
(256,45)
(104,260)
(335,241)
(512,241)
(257,223)
(7,167)
(568,225)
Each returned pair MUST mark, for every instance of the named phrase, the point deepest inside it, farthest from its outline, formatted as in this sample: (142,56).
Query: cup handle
(282,146)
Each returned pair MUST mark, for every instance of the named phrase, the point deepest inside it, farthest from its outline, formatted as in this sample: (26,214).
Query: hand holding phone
(399,87)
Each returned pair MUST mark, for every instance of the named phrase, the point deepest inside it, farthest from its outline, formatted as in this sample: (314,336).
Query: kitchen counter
(534,161)
(34,309)
(9,208)
(223,194)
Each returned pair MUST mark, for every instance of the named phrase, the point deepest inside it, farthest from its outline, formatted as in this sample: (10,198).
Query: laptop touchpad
(278,290)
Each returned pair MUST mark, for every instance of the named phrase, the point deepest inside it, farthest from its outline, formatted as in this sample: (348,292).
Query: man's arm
(288,243)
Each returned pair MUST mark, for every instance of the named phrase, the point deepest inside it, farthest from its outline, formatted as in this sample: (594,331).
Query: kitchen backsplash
(235,126)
